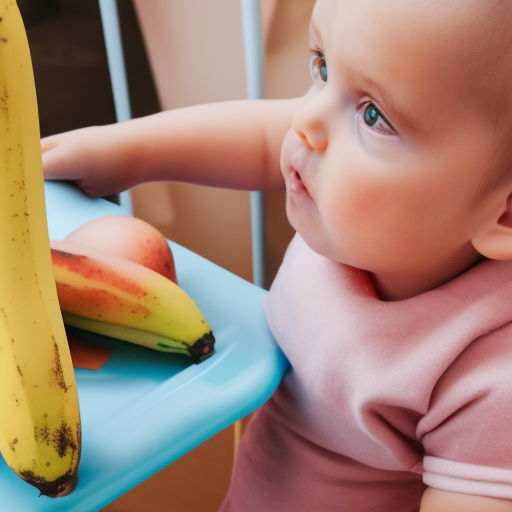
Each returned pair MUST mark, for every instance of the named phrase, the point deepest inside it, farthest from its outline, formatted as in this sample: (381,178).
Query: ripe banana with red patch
(39,412)
(110,295)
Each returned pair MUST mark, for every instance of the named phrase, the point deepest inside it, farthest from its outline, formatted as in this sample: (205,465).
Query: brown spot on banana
(63,440)
(60,439)
(42,435)
(57,375)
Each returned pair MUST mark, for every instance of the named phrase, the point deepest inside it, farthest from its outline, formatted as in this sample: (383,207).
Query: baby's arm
(228,144)
(435,500)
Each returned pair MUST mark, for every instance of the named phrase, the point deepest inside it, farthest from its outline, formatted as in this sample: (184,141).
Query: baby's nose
(310,123)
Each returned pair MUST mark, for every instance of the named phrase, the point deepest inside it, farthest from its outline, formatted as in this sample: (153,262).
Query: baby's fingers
(50,142)
(90,157)
(54,162)
(65,155)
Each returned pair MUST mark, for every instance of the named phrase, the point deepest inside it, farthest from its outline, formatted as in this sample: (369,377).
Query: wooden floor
(73,91)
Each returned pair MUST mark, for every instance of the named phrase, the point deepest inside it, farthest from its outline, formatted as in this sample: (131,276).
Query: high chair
(143,410)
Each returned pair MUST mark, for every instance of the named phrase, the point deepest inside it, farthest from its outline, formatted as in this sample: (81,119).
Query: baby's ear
(496,241)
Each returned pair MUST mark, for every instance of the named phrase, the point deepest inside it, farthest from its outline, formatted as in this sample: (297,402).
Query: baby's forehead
(486,45)
(489,19)
(473,37)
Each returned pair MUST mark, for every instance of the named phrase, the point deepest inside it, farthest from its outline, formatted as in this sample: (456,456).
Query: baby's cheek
(350,201)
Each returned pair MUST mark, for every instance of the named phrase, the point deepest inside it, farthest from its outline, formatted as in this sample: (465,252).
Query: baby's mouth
(296,183)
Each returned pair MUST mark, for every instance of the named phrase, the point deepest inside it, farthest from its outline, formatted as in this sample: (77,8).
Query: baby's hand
(92,158)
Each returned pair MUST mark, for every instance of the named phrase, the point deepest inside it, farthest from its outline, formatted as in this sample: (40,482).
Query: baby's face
(394,142)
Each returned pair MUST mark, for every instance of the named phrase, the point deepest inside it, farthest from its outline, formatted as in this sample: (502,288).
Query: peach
(130,238)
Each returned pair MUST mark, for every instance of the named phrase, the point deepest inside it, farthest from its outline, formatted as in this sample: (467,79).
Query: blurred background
(177,54)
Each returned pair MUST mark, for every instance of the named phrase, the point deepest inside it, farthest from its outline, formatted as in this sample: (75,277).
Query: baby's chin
(307,222)
(319,244)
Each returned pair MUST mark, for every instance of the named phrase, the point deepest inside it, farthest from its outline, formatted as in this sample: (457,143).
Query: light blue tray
(144,409)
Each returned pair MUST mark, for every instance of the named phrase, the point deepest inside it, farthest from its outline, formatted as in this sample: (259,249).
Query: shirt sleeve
(467,431)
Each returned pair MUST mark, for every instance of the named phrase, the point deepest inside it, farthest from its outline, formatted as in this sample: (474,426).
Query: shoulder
(466,431)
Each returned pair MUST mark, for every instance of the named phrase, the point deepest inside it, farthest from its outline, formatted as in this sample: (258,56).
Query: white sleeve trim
(467,478)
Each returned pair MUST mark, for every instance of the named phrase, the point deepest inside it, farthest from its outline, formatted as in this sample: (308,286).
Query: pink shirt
(382,398)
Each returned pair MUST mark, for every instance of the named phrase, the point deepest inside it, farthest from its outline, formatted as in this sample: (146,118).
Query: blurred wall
(195,50)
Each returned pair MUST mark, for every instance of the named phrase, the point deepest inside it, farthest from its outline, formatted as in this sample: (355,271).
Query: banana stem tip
(56,489)
(203,348)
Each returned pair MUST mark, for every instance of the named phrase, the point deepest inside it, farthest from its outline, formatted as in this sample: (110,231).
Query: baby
(394,300)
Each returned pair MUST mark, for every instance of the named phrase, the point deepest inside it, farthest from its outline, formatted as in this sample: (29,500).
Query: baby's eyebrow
(390,106)
(314,34)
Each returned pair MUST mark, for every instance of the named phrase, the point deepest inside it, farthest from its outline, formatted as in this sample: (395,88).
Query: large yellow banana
(39,414)
(110,295)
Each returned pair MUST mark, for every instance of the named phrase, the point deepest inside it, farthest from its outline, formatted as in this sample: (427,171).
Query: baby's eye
(318,67)
(372,118)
